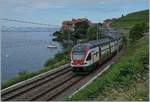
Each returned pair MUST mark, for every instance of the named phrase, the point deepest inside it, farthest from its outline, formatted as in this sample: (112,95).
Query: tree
(80,30)
(56,33)
(92,32)
(65,34)
(61,36)
(137,31)
(81,27)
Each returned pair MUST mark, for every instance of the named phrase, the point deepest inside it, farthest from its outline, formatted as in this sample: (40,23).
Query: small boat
(51,46)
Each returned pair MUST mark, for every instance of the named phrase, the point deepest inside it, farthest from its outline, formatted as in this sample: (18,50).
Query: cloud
(21,6)
(55,11)
(31,5)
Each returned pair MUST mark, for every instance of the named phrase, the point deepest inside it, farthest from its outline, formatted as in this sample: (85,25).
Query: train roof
(94,43)
(91,44)
(100,42)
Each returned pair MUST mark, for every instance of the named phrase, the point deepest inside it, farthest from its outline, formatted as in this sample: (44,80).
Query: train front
(79,56)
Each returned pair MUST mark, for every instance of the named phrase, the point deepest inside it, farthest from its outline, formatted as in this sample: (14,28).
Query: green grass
(131,19)
(126,80)
(58,60)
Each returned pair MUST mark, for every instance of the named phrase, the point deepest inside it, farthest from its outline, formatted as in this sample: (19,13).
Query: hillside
(131,19)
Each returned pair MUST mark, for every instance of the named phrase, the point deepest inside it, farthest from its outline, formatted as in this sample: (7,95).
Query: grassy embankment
(131,19)
(125,80)
(58,60)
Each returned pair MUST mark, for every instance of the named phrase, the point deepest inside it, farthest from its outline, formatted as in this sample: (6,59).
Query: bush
(91,32)
(58,57)
(137,31)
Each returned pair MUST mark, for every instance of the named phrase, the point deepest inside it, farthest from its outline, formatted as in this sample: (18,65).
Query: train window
(78,55)
(89,57)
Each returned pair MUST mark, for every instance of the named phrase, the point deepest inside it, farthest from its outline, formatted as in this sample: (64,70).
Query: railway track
(51,92)
(45,88)
(39,87)
(49,86)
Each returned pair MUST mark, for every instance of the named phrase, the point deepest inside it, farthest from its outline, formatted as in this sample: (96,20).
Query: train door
(95,55)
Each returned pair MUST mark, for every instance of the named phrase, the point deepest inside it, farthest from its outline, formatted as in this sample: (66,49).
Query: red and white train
(85,56)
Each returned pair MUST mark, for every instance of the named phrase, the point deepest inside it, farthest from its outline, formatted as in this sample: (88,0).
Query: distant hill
(131,19)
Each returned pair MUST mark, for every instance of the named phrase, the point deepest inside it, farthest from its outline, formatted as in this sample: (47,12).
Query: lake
(25,51)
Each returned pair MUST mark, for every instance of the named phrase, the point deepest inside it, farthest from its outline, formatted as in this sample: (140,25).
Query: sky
(54,12)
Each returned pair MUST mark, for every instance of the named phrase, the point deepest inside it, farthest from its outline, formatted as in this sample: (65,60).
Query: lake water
(25,51)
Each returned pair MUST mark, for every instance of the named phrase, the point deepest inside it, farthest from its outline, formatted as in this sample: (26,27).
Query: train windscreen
(78,55)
